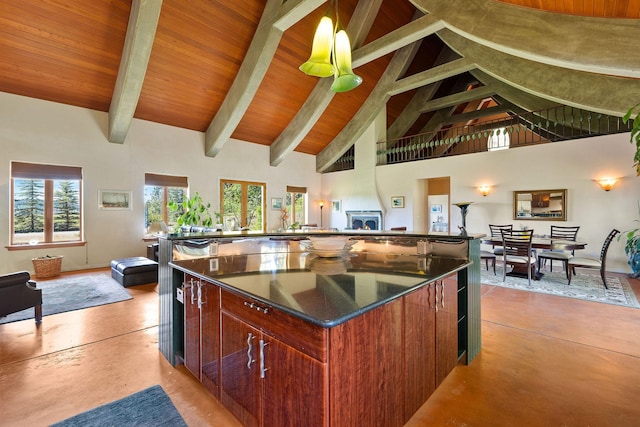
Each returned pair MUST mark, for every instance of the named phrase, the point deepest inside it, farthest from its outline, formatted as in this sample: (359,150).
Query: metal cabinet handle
(262,368)
(442,294)
(435,285)
(199,295)
(264,310)
(250,360)
(192,294)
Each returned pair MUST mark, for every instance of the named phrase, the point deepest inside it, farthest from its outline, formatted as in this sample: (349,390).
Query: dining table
(538,242)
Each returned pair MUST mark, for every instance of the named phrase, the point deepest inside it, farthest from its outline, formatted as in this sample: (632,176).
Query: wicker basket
(48,266)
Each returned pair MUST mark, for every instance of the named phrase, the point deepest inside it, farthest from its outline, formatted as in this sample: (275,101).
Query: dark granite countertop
(322,291)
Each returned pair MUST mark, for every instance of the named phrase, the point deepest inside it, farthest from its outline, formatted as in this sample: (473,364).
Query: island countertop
(322,291)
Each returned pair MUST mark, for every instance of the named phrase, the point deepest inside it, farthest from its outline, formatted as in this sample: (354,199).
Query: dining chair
(487,256)
(590,262)
(496,231)
(518,252)
(559,232)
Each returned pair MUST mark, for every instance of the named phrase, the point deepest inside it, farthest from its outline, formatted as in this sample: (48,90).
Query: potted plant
(632,247)
(635,135)
(195,212)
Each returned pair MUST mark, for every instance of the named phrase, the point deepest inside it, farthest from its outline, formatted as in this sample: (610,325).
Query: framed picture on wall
(397,202)
(336,206)
(276,203)
(114,200)
(436,208)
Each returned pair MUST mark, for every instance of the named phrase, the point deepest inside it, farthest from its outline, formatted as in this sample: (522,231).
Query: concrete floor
(545,361)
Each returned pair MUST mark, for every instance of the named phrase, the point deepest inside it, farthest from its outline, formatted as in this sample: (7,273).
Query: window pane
(153,196)
(176,195)
(232,204)
(254,207)
(66,211)
(28,211)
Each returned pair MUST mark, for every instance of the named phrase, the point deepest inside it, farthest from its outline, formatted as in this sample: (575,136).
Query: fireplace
(364,220)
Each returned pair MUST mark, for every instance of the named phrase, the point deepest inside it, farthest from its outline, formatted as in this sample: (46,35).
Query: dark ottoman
(134,271)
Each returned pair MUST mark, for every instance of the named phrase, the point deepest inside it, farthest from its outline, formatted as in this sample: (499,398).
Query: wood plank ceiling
(70,51)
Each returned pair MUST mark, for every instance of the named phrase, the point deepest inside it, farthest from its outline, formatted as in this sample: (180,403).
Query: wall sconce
(607,183)
(484,189)
(332,43)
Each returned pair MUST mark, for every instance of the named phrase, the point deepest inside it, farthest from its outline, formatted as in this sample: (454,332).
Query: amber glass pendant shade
(345,79)
(319,63)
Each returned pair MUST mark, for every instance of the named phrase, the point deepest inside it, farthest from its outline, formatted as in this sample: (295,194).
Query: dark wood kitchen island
(282,336)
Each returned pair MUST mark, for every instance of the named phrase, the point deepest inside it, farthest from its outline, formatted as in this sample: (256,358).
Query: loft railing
(538,127)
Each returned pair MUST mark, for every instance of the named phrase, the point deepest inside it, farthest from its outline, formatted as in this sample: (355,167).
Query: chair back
(517,242)
(564,233)
(605,248)
(496,230)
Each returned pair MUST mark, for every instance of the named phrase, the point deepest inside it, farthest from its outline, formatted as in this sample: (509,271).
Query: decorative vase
(632,249)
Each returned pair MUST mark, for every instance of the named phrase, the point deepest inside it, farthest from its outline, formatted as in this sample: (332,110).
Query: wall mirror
(547,205)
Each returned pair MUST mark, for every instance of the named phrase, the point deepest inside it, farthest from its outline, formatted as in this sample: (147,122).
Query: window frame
(49,174)
(166,182)
(290,205)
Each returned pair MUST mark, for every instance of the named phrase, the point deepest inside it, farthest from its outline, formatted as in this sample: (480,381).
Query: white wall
(44,132)
(573,165)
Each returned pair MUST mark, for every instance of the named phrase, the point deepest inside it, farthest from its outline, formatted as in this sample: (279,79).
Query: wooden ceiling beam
(369,110)
(457,98)
(141,31)
(411,112)
(432,75)
(581,43)
(254,67)
(565,86)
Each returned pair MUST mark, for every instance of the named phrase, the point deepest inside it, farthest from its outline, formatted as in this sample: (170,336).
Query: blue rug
(73,293)
(149,407)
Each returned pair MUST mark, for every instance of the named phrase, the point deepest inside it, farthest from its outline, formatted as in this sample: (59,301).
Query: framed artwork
(276,203)
(336,206)
(397,202)
(436,208)
(114,200)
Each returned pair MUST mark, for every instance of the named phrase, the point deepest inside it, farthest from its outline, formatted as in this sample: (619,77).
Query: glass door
(242,205)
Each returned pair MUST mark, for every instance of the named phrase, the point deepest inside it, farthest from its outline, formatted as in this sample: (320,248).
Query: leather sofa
(18,292)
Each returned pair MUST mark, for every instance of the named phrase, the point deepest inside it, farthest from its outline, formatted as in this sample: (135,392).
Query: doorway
(438,204)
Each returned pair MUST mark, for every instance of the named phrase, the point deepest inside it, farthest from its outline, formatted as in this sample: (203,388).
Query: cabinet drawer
(303,336)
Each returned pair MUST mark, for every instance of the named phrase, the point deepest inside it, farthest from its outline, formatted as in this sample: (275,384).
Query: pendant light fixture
(331,53)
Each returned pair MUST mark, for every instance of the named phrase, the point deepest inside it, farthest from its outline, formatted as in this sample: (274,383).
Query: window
(295,204)
(46,204)
(160,190)
(498,140)
(242,204)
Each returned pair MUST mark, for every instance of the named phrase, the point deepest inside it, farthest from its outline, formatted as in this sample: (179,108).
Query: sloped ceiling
(229,69)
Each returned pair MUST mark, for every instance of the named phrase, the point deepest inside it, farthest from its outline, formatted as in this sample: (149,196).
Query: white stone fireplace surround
(364,220)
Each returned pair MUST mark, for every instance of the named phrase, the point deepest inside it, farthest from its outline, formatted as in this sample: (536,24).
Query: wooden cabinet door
(294,384)
(446,327)
(419,353)
(210,338)
(240,383)
(191,326)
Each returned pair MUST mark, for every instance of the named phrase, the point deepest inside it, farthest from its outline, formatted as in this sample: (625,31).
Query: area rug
(587,287)
(149,407)
(73,293)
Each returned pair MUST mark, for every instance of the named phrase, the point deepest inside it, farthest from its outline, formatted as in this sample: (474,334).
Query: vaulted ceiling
(229,68)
